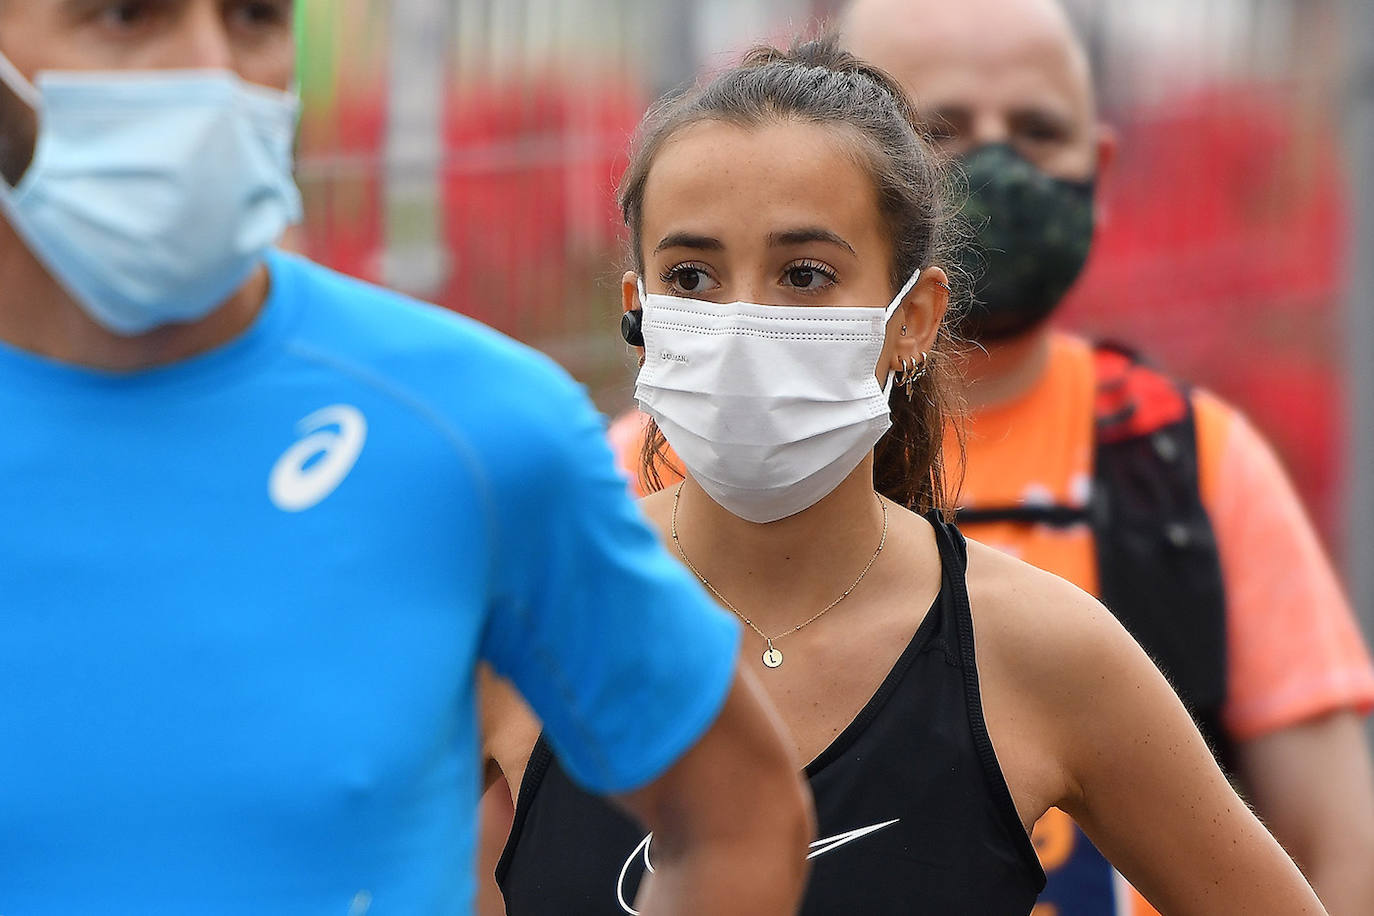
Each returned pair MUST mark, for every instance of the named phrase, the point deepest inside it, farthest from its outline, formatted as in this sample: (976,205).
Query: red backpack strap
(1133,399)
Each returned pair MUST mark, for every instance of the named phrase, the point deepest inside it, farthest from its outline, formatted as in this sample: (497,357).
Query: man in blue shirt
(261,522)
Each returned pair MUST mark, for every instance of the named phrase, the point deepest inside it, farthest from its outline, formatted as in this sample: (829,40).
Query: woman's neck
(779,573)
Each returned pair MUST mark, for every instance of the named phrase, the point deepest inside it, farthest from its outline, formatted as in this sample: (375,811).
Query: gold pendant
(772,657)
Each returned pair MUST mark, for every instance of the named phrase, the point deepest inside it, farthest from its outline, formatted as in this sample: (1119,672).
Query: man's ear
(1107,143)
(629,300)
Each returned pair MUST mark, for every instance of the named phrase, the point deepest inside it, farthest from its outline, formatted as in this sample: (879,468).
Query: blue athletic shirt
(242,599)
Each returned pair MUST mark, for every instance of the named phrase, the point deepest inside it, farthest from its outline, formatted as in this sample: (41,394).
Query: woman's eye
(808,277)
(689,280)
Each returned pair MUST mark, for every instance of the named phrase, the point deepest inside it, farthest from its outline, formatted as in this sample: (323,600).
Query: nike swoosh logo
(821,847)
(818,848)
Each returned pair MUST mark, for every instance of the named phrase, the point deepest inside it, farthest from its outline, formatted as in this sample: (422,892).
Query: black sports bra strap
(540,758)
(953,585)
(954,555)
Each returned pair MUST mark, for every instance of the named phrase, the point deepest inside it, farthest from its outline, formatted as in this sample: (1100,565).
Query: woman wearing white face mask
(773,213)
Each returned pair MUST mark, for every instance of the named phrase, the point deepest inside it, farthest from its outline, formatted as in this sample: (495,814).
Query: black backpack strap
(1158,564)
(1056,516)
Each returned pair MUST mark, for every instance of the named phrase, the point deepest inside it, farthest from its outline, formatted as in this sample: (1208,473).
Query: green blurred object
(317,51)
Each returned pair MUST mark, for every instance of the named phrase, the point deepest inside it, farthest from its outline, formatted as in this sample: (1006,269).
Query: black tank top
(914,815)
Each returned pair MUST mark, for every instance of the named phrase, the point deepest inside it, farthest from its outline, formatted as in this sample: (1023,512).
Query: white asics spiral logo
(315,466)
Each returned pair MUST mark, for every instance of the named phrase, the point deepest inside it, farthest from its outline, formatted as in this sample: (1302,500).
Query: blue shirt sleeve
(617,648)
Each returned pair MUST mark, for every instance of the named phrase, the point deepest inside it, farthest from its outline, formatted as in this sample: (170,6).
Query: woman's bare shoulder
(1022,600)
(1061,678)
(1044,632)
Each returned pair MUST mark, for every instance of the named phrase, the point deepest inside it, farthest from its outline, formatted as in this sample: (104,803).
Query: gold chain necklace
(772,658)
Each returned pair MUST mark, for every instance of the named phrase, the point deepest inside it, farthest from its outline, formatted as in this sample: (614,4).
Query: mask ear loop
(887,317)
(901,296)
(18,84)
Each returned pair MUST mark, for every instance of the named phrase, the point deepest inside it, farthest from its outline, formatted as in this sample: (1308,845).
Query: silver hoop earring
(915,374)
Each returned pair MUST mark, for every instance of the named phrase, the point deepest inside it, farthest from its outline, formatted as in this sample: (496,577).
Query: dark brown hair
(817,82)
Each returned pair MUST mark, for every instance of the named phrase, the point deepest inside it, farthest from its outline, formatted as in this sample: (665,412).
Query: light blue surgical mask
(153,195)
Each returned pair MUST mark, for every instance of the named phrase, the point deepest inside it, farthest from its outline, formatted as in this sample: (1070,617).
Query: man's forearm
(1312,784)
(731,819)
(1345,884)
(738,877)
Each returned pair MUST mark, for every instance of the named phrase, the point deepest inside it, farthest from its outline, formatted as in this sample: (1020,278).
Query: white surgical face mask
(769,407)
(153,195)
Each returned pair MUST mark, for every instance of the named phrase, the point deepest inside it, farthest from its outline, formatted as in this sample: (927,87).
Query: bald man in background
(1282,685)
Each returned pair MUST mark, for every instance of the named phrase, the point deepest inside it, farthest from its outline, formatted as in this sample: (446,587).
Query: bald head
(987,71)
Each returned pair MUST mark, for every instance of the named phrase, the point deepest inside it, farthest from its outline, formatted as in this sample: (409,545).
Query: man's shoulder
(500,396)
(1122,369)
(354,319)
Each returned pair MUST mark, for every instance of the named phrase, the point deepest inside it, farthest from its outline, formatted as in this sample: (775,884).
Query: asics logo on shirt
(312,469)
(818,848)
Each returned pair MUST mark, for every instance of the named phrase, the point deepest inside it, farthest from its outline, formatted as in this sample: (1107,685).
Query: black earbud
(632,327)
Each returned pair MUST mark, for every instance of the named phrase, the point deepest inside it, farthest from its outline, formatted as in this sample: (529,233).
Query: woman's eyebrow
(690,240)
(808,234)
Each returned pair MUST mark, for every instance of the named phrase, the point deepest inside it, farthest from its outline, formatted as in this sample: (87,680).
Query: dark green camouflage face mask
(1031,235)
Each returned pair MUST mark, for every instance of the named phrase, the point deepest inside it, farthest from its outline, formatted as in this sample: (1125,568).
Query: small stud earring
(903,330)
